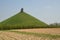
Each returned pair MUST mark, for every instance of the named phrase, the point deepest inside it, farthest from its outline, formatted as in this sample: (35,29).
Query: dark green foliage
(54,25)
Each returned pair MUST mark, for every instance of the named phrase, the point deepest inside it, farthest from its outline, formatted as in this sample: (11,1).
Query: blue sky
(45,10)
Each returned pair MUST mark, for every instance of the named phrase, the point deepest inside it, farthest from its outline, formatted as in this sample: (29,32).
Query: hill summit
(22,20)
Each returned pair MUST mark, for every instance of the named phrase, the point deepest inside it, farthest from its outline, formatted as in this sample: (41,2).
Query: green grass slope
(21,20)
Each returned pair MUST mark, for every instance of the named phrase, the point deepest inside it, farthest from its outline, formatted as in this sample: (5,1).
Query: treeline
(54,25)
(8,27)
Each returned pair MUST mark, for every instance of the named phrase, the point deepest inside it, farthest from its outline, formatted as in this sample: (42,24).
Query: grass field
(41,30)
(31,34)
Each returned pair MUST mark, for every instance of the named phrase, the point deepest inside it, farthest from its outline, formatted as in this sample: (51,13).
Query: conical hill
(22,20)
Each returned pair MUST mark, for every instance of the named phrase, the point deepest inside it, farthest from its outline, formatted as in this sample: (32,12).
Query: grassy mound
(21,20)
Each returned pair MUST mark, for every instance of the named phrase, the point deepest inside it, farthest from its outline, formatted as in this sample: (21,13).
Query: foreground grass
(39,35)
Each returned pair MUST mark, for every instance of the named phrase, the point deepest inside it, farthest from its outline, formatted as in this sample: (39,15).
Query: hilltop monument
(22,9)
